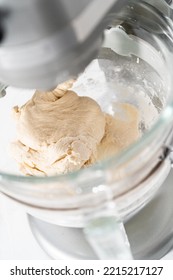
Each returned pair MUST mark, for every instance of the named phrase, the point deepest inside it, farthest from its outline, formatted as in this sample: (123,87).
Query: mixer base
(150,232)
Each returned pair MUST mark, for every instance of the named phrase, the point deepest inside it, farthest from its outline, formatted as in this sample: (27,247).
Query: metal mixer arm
(46,42)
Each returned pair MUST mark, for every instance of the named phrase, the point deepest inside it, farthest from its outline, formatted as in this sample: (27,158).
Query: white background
(16,239)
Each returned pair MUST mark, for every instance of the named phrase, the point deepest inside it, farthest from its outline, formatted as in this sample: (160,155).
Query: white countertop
(16,239)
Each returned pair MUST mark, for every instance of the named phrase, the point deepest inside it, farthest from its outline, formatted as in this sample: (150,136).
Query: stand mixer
(135,62)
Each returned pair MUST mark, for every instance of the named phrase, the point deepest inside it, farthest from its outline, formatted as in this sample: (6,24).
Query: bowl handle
(106,234)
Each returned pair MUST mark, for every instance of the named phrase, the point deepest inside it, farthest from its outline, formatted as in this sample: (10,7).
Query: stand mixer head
(44,42)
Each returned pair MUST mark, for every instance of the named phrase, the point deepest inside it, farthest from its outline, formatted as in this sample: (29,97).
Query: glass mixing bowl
(134,66)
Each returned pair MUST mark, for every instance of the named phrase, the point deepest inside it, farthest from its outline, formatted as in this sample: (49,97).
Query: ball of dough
(58,132)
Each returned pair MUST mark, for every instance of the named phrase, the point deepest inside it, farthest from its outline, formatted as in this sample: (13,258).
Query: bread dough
(120,131)
(59,132)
